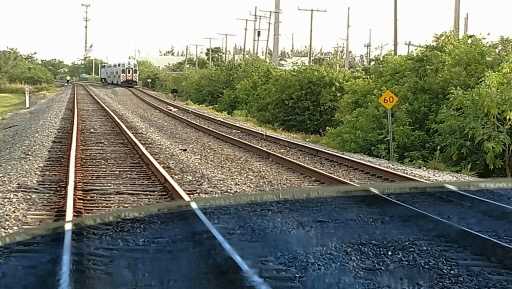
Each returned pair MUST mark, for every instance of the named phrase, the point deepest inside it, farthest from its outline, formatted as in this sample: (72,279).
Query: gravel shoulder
(25,138)
(422,173)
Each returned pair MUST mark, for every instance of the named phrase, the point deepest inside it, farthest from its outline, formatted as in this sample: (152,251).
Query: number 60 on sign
(388,99)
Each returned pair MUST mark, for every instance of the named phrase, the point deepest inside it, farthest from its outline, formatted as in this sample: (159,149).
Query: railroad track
(350,170)
(101,160)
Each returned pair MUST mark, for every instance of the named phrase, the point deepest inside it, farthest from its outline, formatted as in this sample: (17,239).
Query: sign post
(27,96)
(389,100)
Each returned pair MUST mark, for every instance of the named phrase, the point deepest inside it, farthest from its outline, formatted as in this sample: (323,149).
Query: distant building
(162,61)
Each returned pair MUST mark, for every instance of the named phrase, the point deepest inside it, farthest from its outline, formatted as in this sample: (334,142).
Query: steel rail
(325,178)
(346,160)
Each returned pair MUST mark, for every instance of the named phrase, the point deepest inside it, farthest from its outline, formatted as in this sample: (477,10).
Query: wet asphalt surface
(357,242)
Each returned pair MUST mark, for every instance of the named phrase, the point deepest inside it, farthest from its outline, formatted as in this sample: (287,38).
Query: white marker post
(27,97)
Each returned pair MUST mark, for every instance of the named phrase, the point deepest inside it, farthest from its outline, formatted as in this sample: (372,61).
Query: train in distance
(124,74)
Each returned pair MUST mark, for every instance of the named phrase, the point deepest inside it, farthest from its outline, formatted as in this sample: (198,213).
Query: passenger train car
(124,74)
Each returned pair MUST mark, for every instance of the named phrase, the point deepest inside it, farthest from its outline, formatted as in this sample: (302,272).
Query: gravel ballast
(201,164)
(25,138)
(421,173)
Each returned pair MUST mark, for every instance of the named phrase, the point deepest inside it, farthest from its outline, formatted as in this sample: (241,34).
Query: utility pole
(211,52)
(381,48)
(226,35)
(254,31)
(395,50)
(275,49)
(186,58)
(336,52)
(409,45)
(466,24)
(245,33)
(456,20)
(312,11)
(347,53)
(258,33)
(369,48)
(86,19)
(268,31)
(196,57)
(293,42)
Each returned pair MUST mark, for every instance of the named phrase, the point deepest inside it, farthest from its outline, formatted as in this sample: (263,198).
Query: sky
(55,28)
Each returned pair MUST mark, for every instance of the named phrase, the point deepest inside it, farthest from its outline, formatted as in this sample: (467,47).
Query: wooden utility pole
(86,19)
(186,58)
(293,42)
(196,57)
(312,11)
(466,24)
(456,20)
(409,45)
(268,31)
(347,45)
(245,33)
(254,32)
(258,32)
(395,42)
(226,35)
(275,48)
(211,52)
(369,49)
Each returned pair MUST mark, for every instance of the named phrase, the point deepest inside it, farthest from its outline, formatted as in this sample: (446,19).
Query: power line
(86,19)
(312,11)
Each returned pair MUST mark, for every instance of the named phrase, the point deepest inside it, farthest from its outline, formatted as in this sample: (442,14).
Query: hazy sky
(54,28)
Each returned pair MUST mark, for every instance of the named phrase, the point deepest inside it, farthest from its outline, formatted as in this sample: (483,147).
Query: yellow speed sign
(388,99)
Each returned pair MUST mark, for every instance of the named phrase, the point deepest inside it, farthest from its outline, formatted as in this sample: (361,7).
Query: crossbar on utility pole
(245,34)
(226,35)
(312,11)
(210,55)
